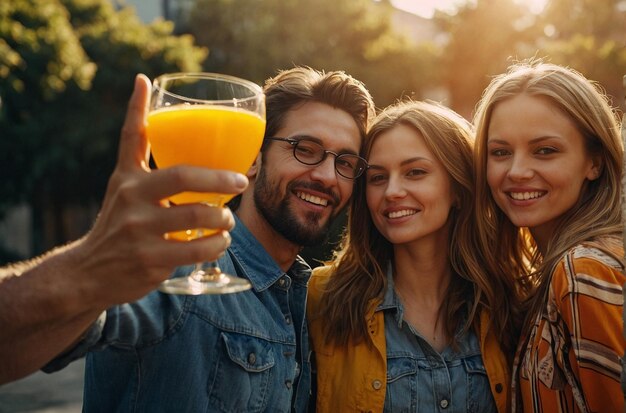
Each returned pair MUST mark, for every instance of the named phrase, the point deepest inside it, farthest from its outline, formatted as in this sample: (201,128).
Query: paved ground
(61,392)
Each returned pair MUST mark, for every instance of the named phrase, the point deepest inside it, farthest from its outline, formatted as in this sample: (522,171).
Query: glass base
(224,284)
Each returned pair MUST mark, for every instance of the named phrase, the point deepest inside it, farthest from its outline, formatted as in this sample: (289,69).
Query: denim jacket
(242,352)
(356,378)
(421,379)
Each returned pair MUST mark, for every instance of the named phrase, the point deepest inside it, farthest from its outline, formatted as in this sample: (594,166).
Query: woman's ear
(596,168)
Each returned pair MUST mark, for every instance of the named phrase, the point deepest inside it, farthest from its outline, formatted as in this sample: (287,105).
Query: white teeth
(402,213)
(524,196)
(312,199)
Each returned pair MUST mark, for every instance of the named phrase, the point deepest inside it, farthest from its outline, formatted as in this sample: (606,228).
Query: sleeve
(89,338)
(127,326)
(588,297)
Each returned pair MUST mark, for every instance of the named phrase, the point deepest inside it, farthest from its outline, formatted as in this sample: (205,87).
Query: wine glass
(209,120)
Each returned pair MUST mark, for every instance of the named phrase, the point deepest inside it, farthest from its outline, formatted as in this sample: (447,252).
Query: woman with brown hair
(404,318)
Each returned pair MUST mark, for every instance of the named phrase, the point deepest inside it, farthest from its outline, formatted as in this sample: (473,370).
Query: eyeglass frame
(295,140)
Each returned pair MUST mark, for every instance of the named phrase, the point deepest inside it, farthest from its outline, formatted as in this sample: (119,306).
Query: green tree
(488,35)
(484,37)
(589,36)
(66,72)
(253,39)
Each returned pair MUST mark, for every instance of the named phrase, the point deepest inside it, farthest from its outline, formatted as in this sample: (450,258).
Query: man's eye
(306,150)
(345,163)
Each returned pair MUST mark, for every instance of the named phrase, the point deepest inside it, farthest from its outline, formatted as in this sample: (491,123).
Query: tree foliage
(66,72)
(253,39)
(589,36)
(488,35)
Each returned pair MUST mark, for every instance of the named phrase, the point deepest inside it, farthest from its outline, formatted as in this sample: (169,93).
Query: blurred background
(67,70)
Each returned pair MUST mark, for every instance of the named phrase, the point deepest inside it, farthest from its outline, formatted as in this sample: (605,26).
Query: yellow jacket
(354,378)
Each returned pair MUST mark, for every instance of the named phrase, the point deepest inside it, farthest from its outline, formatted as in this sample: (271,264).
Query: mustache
(314,186)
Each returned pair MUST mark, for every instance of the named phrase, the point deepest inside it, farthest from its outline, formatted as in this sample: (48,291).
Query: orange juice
(215,137)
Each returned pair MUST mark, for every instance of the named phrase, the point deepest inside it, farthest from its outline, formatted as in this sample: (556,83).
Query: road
(61,392)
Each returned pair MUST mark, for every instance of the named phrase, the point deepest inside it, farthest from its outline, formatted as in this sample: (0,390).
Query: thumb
(133,148)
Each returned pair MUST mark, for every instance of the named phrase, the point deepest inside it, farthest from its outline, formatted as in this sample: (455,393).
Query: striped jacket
(570,360)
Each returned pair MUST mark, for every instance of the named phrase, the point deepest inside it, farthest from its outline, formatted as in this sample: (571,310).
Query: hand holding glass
(208,120)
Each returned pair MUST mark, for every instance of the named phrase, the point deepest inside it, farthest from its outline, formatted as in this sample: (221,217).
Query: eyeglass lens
(311,153)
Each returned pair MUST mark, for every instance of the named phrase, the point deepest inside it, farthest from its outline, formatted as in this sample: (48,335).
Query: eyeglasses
(310,152)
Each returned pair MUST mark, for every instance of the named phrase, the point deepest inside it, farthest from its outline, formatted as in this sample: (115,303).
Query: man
(247,351)
(46,304)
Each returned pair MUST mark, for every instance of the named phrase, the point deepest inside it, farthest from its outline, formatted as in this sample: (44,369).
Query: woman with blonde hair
(548,160)
(404,318)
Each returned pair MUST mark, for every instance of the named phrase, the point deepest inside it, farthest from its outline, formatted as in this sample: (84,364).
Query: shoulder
(594,257)
(596,268)
(319,278)
(317,286)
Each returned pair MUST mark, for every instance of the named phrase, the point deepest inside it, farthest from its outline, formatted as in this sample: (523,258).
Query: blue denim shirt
(242,352)
(421,379)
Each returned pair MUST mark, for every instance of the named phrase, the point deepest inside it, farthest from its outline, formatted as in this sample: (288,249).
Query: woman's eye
(375,179)
(546,150)
(416,172)
(498,152)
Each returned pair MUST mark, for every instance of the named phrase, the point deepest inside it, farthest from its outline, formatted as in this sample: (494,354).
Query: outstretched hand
(126,253)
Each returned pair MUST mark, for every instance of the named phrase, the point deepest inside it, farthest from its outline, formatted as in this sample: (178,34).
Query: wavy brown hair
(597,213)
(358,268)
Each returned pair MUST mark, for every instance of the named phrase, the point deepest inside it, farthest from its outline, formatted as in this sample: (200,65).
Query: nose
(325,171)
(520,169)
(394,189)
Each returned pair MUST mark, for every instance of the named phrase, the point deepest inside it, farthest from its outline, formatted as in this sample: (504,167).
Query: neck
(422,272)
(284,252)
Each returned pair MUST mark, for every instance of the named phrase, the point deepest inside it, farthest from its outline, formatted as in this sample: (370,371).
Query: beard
(279,213)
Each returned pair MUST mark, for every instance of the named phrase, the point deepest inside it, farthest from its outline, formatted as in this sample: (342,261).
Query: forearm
(45,306)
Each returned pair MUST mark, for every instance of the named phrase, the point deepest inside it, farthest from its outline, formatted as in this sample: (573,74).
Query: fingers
(191,216)
(198,250)
(163,183)
(125,272)
(133,143)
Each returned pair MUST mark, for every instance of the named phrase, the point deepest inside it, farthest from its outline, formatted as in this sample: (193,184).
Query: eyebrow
(532,141)
(321,143)
(403,163)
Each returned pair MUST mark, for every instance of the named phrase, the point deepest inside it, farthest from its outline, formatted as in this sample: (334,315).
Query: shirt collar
(391,301)
(255,262)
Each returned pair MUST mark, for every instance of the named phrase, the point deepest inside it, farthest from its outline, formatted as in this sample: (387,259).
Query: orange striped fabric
(570,361)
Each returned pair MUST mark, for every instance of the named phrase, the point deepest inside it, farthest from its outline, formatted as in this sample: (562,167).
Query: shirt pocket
(479,397)
(401,393)
(243,373)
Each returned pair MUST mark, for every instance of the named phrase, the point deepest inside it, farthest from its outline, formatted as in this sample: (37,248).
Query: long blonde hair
(359,278)
(597,213)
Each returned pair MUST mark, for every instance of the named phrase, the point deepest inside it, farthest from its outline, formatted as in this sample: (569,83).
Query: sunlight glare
(426,8)
(535,6)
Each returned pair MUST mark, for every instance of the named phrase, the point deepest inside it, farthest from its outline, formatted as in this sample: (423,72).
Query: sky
(426,8)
